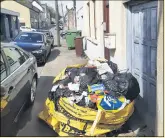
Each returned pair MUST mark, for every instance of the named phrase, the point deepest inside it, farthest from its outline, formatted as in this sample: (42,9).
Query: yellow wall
(14,6)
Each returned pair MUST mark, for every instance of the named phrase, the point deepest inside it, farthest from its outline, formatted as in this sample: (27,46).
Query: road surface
(29,124)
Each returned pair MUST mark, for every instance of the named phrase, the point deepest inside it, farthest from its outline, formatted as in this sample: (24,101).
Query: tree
(53,13)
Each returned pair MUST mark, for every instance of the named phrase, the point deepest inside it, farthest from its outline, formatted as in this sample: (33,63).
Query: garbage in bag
(122,84)
(113,66)
(84,103)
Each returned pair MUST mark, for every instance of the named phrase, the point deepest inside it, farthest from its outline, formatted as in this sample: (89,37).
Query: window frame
(24,54)
(106,15)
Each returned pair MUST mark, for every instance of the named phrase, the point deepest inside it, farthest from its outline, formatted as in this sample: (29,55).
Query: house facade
(79,15)
(45,17)
(23,11)
(130,34)
(9,24)
(29,14)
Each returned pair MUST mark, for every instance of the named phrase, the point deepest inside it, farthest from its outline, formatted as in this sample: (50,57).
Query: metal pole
(57,23)
(74,5)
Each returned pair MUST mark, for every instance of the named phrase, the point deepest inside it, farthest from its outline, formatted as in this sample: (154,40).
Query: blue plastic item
(111,103)
(96,87)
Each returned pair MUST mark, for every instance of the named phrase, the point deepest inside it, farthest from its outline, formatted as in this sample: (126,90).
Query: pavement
(29,124)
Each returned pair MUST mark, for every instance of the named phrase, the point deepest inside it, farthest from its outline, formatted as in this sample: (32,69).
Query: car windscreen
(29,38)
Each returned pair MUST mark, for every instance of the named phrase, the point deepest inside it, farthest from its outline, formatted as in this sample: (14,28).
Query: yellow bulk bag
(74,120)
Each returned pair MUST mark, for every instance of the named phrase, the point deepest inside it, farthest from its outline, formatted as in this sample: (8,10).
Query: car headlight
(37,51)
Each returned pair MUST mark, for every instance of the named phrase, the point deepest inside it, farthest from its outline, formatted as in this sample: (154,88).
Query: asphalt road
(29,124)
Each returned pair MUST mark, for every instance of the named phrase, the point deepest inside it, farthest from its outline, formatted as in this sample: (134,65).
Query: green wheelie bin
(70,36)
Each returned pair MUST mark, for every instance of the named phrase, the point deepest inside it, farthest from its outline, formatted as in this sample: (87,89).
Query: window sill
(92,40)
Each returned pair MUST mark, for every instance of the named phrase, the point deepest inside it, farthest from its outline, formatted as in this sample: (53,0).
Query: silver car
(18,84)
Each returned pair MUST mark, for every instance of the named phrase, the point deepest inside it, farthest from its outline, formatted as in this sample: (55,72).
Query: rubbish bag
(122,84)
(113,66)
(75,120)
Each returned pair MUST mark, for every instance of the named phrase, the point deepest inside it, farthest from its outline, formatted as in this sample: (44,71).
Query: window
(106,14)
(15,59)
(94,5)
(29,38)
(3,69)
(22,24)
(89,18)
(24,54)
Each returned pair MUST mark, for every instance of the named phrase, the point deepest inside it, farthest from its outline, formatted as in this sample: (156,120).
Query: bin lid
(79,37)
(73,31)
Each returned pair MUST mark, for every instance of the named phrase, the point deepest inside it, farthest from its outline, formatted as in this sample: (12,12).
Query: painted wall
(79,14)
(14,6)
(117,24)
(95,45)
(160,71)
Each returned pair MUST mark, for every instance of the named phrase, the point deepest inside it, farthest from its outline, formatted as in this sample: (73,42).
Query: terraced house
(16,13)
(130,33)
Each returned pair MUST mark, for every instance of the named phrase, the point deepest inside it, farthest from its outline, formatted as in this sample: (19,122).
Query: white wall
(95,46)
(79,14)
(117,13)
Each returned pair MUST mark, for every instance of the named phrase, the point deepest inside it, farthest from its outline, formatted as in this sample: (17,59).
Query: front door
(144,49)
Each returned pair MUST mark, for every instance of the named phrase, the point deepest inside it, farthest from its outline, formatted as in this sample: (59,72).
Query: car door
(16,86)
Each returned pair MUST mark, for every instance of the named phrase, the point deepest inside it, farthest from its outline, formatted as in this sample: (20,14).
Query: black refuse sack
(122,84)
(113,66)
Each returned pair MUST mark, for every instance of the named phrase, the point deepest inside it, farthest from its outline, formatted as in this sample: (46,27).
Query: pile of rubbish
(91,99)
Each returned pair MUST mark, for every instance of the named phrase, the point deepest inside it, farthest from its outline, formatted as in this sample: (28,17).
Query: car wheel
(33,91)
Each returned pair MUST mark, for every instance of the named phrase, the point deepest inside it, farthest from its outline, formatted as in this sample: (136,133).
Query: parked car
(63,34)
(49,36)
(18,85)
(35,42)
(60,27)
(26,29)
